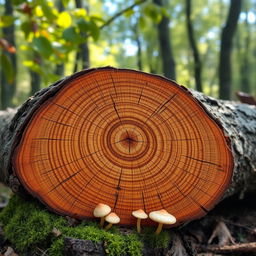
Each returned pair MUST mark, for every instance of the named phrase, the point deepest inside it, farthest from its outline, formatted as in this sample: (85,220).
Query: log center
(128,143)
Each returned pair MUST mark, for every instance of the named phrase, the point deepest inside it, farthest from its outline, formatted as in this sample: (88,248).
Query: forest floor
(229,229)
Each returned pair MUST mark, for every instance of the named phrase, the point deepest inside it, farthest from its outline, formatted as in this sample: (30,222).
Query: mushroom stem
(138,225)
(102,220)
(159,228)
(108,226)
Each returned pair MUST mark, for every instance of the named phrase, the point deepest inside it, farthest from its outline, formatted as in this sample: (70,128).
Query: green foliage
(153,11)
(6,21)
(42,46)
(156,241)
(28,225)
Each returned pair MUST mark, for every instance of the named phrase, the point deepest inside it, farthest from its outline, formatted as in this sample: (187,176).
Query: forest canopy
(205,45)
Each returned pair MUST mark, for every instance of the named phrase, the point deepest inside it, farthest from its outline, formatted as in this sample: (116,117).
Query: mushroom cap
(101,210)
(140,214)
(162,216)
(112,218)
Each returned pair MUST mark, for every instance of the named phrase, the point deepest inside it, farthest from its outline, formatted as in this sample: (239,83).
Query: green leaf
(94,30)
(48,11)
(165,12)
(97,19)
(154,12)
(27,28)
(71,35)
(17,2)
(7,68)
(142,22)
(6,21)
(84,26)
(65,2)
(43,46)
(33,66)
(129,13)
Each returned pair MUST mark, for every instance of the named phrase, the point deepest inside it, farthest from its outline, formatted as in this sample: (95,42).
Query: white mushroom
(100,211)
(139,214)
(112,218)
(162,217)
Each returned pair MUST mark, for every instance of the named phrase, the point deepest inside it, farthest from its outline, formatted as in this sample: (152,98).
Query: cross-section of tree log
(130,140)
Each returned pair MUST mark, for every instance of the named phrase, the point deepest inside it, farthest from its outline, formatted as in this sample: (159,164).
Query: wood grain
(127,139)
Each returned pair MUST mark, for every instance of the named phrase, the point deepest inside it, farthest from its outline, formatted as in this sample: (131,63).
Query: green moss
(57,248)
(134,245)
(25,224)
(28,225)
(156,241)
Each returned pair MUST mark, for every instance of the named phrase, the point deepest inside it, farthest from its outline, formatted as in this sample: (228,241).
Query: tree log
(131,140)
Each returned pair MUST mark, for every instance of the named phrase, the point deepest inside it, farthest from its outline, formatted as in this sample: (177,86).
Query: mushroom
(112,218)
(100,211)
(162,217)
(139,214)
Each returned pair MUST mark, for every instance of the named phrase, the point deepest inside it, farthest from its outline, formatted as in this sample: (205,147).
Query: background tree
(168,63)
(49,34)
(83,49)
(194,48)
(243,47)
(227,35)
(60,67)
(8,58)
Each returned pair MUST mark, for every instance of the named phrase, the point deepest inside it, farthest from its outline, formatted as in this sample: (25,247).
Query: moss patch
(156,241)
(28,225)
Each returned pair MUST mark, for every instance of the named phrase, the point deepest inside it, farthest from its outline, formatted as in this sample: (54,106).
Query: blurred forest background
(207,45)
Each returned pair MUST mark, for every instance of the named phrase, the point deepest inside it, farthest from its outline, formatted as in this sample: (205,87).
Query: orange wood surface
(127,139)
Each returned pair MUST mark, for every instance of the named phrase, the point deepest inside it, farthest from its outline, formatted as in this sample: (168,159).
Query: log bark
(237,121)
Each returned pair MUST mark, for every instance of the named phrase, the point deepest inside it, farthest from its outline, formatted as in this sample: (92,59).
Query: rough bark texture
(225,73)
(78,247)
(165,45)
(238,122)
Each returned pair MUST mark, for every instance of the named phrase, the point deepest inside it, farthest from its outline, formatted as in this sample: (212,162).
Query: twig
(233,249)
(110,20)
(238,225)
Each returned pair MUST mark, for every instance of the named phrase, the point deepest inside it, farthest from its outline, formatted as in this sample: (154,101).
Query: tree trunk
(165,45)
(60,66)
(193,45)
(84,53)
(245,66)
(205,136)
(139,51)
(35,81)
(228,32)
(9,88)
